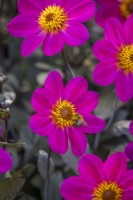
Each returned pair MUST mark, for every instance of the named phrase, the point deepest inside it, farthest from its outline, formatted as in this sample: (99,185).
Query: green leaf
(9,188)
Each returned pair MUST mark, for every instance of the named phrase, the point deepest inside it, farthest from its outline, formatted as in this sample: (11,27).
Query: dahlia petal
(82,11)
(131,127)
(76,34)
(105,12)
(128,30)
(42,100)
(87,103)
(105,51)
(129,151)
(76,188)
(41,4)
(77,140)
(105,74)
(115,173)
(114,32)
(53,44)
(41,124)
(75,88)
(31,43)
(21,26)
(94,124)
(54,84)
(58,141)
(127,195)
(68,5)
(107,1)
(5,161)
(127,180)
(24,5)
(90,168)
(124,85)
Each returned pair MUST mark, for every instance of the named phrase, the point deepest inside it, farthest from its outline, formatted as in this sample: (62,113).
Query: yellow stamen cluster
(125,58)
(52,19)
(126,8)
(63,114)
(107,191)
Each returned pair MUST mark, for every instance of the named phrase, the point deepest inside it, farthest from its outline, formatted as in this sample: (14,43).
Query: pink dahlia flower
(51,23)
(65,113)
(119,9)
(100,181)
(129,147)
(5,161)
(115,53)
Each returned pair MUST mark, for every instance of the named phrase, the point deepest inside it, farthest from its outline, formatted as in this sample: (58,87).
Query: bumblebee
(79,121)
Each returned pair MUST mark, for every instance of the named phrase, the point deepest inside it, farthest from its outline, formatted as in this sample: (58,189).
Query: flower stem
(47,175)
(67,64)
(97,138)
(6,130)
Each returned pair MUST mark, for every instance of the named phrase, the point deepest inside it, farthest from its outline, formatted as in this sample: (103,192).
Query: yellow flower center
(52,19)
(126,8)
(63,114)
(107,191)
(125,58)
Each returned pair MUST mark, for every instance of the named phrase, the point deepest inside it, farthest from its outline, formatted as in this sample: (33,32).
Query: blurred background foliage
(24,75)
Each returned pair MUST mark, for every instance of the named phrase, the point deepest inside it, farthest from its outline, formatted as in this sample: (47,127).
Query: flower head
(5,161)
(65,113)
(119,9)
(100,181)
(115,53)
(51,23)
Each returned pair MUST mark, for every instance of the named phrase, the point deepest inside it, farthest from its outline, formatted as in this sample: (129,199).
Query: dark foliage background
(24,75)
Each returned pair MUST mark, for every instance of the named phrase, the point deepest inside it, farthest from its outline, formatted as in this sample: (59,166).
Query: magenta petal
(94,124)
(131,127)
(107,1)
(90,168)
(53,44)
(105,74)
(76,188)
(76,34)
(22,26)
(105,51)
(128,195)
(77,140)
(5,161)
(54,84)
(114,32)
(41,125)
(115,166)
(75,88)
(87,103)
(31,43)
(68,5)
(58,140)
(127,180)
(124,85)
(42,100)
(105,12)
(128,30)
(24,5)
(82,11)
(129,151)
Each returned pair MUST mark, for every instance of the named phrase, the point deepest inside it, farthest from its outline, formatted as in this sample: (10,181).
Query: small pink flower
(65,113)
(100,181)
(5,161)
(129,147)
(51,23)
(119,9)
(115,53)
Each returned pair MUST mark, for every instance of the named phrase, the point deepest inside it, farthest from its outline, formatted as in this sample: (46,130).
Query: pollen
(125,59)
(126,8)
(63,113)
(107,191)
(53,19)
